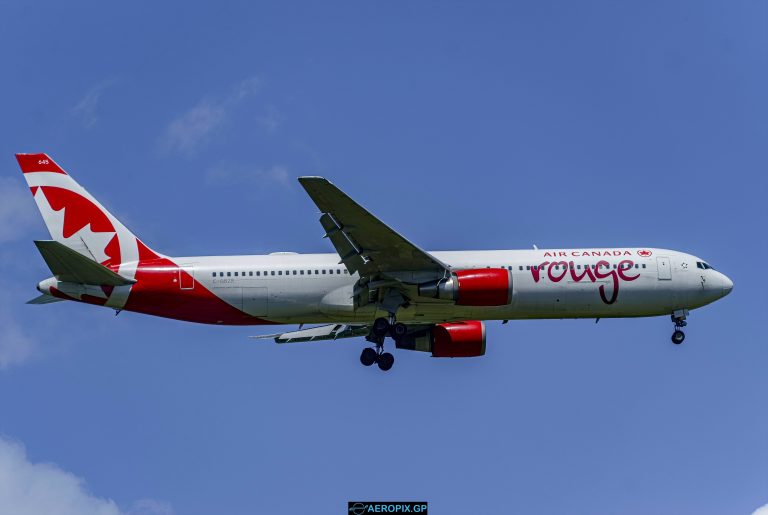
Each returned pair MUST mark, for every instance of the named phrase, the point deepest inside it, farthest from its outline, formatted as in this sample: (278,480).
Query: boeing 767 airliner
(377,284)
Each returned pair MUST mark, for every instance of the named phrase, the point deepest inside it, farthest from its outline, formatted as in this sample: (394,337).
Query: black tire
(398,331)
(380,326)
(677,337)
(368,357)
(386,361)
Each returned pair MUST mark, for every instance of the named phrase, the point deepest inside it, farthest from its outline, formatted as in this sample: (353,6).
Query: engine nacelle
(450,340)
(458,340)
(473,287)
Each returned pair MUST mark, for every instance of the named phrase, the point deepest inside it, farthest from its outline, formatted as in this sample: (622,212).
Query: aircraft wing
(313,334)
(364,243)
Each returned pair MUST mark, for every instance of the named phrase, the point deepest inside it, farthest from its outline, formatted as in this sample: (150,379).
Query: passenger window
(229,274)
(214,274)
(301,272)
(346,271)
(294,272)
(272,272)
(323,272)
(527,267)
(643,265)
(317,272)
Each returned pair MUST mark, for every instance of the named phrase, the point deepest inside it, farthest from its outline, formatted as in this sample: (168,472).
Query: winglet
(31,163)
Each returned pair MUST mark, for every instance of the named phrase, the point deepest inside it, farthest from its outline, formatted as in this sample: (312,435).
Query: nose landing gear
(678,317)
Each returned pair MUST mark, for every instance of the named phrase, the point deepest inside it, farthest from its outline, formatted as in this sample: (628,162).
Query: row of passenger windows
(625,266)
(265,273)
(339,271)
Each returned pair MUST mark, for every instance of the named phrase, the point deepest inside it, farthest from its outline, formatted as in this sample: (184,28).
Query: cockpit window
(703,265)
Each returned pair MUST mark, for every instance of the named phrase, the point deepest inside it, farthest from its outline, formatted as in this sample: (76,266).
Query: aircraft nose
(727,285)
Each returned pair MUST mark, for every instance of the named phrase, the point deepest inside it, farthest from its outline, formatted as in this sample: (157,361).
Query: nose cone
(727,285)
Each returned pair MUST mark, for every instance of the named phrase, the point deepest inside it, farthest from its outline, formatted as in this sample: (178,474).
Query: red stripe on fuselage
(157,292)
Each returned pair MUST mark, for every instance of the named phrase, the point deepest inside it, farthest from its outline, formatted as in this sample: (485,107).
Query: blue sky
(496,125)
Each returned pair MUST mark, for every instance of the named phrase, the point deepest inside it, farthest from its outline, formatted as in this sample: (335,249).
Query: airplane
(376,285)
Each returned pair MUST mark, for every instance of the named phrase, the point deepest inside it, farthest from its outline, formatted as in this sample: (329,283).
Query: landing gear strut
(679,319)
(380,327)
(379,330)
(370,355)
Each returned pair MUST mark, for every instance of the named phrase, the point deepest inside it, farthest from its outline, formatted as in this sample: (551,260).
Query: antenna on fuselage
(535,247)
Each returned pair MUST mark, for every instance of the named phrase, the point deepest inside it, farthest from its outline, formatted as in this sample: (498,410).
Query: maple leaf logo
(644,253)
(79,224)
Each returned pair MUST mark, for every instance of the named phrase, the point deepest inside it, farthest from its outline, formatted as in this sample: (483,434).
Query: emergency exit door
(187,277)
(664,268)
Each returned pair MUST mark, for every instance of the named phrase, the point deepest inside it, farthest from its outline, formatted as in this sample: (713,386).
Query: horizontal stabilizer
(313,334)
(70,266)
(44,299)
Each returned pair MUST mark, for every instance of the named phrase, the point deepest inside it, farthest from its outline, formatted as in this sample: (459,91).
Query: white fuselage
(314,288)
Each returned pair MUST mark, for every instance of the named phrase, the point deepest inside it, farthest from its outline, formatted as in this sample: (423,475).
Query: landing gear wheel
(368,357)
(380,327)
(386,360)
(398,331)
(678,336)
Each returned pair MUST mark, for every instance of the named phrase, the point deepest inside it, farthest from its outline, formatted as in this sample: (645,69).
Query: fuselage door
(255,301)
(187,277)
(664,267)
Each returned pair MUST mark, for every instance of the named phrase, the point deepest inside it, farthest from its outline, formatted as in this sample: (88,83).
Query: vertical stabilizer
(75,218)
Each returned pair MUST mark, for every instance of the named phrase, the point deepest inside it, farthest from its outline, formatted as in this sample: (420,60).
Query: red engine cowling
(474,287)
(458,340)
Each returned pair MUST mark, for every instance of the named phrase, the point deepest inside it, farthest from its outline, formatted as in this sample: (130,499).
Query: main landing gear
(379,330)
(678,336)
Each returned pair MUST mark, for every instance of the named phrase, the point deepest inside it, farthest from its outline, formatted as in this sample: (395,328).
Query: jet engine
(473,287)
(449,340)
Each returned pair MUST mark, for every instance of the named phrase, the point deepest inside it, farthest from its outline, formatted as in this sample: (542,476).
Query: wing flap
(319,333)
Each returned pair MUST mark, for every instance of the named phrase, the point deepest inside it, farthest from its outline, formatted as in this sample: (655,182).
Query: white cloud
(245,176)
(17,214)
(16,346)
(88,107)
(17,209)
(762,510)
(150,507)
(192,129)
(271,120)
(28,488)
